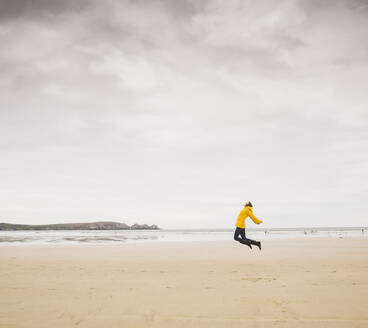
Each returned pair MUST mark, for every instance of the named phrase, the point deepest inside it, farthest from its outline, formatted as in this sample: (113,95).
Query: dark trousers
(243,239)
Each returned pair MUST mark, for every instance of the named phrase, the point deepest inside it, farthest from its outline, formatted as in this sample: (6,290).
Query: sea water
(166,235)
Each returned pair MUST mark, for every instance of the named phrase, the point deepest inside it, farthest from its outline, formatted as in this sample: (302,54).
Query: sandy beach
(314,282)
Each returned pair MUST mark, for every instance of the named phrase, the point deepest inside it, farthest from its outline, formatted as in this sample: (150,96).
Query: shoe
(250,246)
(259,245)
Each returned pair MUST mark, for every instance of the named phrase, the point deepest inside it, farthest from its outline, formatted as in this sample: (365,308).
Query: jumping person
(240,226)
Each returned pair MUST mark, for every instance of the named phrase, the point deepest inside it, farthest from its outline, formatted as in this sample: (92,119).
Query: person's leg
(250,241)
(240,231)
(236,234)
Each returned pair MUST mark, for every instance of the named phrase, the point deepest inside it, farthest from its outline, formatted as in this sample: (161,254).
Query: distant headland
(102,225)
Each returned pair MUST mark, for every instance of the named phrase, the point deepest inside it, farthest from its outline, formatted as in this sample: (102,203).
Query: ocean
(99,237)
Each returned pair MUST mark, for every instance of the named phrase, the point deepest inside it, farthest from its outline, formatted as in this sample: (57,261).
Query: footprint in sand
(255,279)
(78,322)
(61,315)
(252,279)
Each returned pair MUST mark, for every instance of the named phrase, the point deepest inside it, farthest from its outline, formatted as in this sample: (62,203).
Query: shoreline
(4,245)
(116,237)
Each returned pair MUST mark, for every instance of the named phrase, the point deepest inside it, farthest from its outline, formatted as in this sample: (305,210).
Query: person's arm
(253,217)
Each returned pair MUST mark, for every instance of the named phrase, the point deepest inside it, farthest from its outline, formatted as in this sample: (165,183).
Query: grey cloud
(315,6)
(186,8)
(38,8)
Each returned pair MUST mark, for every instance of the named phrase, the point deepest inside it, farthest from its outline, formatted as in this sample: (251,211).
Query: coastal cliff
(102,225)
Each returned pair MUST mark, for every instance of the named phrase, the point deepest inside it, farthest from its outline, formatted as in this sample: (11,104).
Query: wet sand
(311,282)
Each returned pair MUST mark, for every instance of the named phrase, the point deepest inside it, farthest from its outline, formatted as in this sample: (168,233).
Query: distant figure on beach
(240,226)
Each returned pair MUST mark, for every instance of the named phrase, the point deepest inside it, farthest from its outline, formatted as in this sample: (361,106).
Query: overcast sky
(175,112)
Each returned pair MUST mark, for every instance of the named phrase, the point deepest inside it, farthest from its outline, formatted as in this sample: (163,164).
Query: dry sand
(290,283)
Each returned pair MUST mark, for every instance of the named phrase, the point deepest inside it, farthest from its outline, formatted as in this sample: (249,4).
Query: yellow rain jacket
(247,211)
